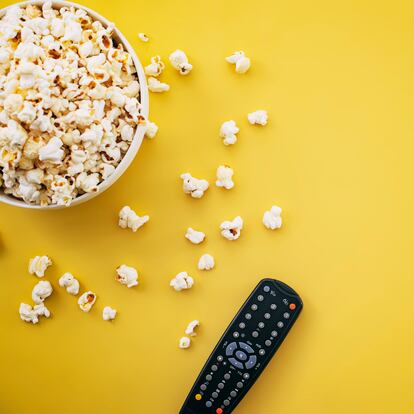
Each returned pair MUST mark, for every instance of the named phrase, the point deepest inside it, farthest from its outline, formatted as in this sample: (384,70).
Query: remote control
(244,350)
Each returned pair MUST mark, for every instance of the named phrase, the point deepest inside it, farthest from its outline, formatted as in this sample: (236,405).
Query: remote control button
(198,397)
(246,376)
(260,298)
(203,387)
(255,334)
(286,315)
(236,363)
(231,348)
(236,334)
(251,362)
(227,376)
(241,356)
(292,306)
(246,348)
(219,411)
(274,334)
(220,385)
(233,394)
(268,342)
(285,301)
(239,384)
(214,394)
(226,403)
(219,358)
(261,325)
(280,325)
(209,377)
(208,404)
(267,315)
(248,316)
(242,325)
(266,289)
(214,368)
(253,307)
(273,306)
(262,352)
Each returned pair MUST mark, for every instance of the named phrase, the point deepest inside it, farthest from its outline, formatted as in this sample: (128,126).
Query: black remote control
(244,350)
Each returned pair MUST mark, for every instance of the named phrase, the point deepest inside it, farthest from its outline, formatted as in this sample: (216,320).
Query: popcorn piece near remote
(108,314)
(129,219)
(193,186)
(191,327)
(182,282)
(224,177)
(38,265)
(184,342)
(41,291)
(179,61)
(272,219)
(259,117)
(127,275)
(231,229)
(195,237)
(228,131)
(154,85)
(31,314)
(69,282)
(151,129)
(86,301)
(206,262)
(155,68)
(240,60)
(143,37)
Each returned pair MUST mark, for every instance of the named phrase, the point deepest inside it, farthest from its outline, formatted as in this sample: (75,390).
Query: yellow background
(337,79)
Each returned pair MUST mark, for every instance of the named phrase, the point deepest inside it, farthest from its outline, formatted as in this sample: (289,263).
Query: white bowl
(139,134)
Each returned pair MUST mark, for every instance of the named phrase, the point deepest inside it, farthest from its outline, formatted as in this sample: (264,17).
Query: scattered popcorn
(143,37)
(151,129)
(66,87)
(108,314)
(182,281)
(29,314)
(194,186)
(179,61)
(272,219)
(155,68)
(41,291)
(206,262)
(184,343)
(69,282)
(190,328)
(231,229)
(86,301)
(228,132)
(258,117)
(38,265)
(195,237)
(127,275)
(224,177)
(154,85)
(241,61)
(129,219)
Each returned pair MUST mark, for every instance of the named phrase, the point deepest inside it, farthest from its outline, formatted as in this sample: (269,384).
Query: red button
(219,411)
(292,306)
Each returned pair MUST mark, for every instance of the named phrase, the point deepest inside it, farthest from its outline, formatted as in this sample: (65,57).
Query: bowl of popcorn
(73,104)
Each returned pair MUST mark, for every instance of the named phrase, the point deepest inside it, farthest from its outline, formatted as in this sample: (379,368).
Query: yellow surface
(337,79)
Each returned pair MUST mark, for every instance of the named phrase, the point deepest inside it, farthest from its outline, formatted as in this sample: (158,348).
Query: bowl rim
(140,130)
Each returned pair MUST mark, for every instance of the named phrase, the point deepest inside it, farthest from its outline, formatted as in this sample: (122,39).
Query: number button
(214,368)
(260,298)
(239,384)
(209,377)
(236,334)
(227,376)
(261,325)
(248,316)
(253,307)
(255,334)
(274,334)
(280,324)
(267,315)
(203,387)
(273,306)
(209,404)
(233,394)
(266,289)
(220,386)
(242,325)
(214,394)
(286,315)
(268,343)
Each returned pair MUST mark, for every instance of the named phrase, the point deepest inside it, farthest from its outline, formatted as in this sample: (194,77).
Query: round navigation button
(240,355)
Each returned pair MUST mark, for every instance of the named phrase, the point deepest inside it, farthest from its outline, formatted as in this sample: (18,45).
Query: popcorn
(240,60)
(69,282)
(143,37)
(41,291)
(224,177)
(228,132)
(184,343)
(86,301)
(108,314)
(151,129)
(195,237)
(182,281)
(127,275)
(258,117)
(194,186)
(129,219)
(29,314)
(206,262)
(38,265)
(272,219)
(154,85)
(231,229)
(191,326)
(64,83)
(179,61)
(155,68)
